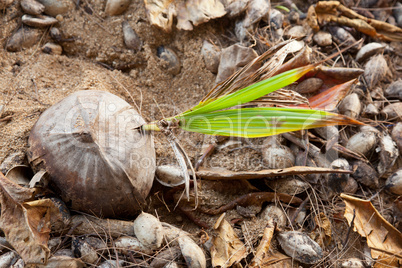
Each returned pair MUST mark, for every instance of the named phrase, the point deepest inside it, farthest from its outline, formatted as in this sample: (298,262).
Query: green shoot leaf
(249,93)
(260,122)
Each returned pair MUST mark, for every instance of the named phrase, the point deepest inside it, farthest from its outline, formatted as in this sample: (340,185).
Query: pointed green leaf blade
(251,92)
(260,122)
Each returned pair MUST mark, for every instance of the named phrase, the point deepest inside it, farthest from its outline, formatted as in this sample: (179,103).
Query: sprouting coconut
(97,160)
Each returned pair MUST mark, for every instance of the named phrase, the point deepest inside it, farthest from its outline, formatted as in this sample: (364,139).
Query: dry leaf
(323,233)
(333,11)
(26,228)
(265,257)
(227,248)
(384,239)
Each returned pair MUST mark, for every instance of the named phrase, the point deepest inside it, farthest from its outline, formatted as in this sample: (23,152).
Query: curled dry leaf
(25,226)
(384,239)
(189,13)
(227,248)
(333,11)
(265,256)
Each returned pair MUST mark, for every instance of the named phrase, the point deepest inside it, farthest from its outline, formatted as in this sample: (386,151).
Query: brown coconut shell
(98,161)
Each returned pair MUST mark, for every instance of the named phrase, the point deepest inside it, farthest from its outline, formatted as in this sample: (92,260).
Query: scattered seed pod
(171,233)
(148,229)
(38,22)
(371,110)
(8,258)
(352,263)
(126,244)
(300,247)
(309,85)
(192,253)
(20,175)
(388,153)
(56,7)
(323,38)
(173,64)
(375,70)
(55,34)
(275,19)
(336,181)
(394,90)
(393,110)
(111,264)
(341,36)
(32,7)
(165,257)
(52,48)
(276,156)
(289,186)
(350,106)
(116,7)
(86,248)
(131,39)
(300,217)
(23,38)
(397,136)
(54,243)
(365,174)
(211,54)
(276,214)
(362,142)
(64,252)
(232,59)
(394,183)
(369,50)
(351,186)
(119,165)
(296,32)
(169,175)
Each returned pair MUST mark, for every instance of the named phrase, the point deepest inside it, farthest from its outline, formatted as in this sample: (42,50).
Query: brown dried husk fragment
(333,11)
(384,239)
(26,227)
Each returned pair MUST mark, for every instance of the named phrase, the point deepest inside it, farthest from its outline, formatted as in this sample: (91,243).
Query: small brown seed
(173,64)
(371,110)
(297,32)
(341,36)
(362,142)
(131,39)
(350,106)
(32,7)
(365,174)
(309,85)
(394,90)
(375,70)
(39,22)
(393,110)
(23,38)
(55,7)
(368,51)
(323,38)
(394,183)
(116,7)
(52,48)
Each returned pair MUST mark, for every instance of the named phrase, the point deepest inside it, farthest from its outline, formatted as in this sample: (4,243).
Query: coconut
(98,160)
